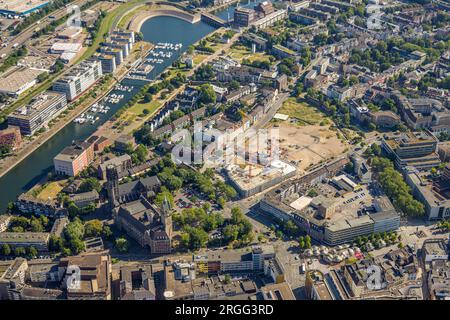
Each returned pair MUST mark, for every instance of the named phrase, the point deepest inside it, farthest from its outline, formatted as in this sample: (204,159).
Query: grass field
(304,113)
(240,53)
(139,108)
(50,191)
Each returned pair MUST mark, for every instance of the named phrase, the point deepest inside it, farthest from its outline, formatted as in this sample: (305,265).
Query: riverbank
(29,147)
(39,163)
(114,128)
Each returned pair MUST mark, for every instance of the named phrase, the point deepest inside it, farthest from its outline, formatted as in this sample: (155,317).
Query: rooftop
(16,78)
(24,237)
(38,104)
(278,291)
(21,7)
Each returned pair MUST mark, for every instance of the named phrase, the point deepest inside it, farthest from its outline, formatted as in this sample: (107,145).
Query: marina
(161,53)
(40,162)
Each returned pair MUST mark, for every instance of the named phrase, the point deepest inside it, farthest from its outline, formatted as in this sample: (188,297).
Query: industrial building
(17,80)
(17,8)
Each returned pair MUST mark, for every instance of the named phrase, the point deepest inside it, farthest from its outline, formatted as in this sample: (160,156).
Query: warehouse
(21,8)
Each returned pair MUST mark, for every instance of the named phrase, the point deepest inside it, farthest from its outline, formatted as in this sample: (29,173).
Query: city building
(38,112)
(318,216)
(122,163)
(146,224)
(27,203)
(243,17)
(277,291)
(37,240)
(79,79)
(5,219)
(434,250)
(108,63)
(94,282)
(416,149)
(317,287)
(129,191)
(87,18)
(124,143)
(435,196)
(73,159)
(264,8)
(270,19)
(85,199)
(12,277)
(137,283)
(231,261)
(250,179)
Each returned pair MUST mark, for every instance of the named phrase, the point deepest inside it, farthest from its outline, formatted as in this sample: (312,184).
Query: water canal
(38,164)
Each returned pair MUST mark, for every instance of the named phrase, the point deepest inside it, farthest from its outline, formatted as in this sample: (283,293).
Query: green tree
(122,245)
(19,251)
(207,94)
(36,225)
(76,246)
(106,232)
(74,230)
(93,228)
(90,184)
(231,233)
(5,250)
(140,154)
(236,215)
(221,202)
(307,242)
(55,244)
(164,194)
(32,252)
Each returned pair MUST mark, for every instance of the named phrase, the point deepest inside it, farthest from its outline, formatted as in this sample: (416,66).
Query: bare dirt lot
(308,145)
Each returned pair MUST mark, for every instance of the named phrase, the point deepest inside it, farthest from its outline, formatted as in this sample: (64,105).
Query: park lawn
(239,52)
(301,111)
(50,191)
(174,71)
(138,108)
(258,56)
(198,58)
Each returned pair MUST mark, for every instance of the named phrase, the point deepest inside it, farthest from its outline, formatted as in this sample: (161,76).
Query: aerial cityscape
(224,150)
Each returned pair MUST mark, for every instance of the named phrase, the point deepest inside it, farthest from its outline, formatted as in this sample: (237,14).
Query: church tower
(112,186)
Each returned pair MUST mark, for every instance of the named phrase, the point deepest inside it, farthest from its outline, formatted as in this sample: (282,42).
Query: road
(23,37)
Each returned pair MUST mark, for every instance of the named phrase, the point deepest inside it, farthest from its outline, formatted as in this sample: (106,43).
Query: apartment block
(79,79)
(38,112)
(73,159)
